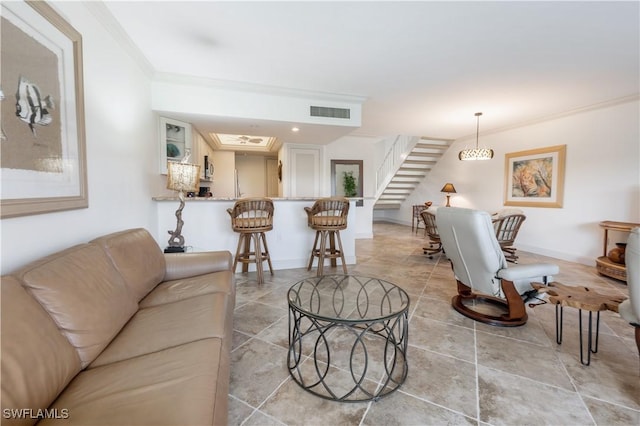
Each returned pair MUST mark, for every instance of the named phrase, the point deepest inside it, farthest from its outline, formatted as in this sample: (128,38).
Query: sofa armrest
(184,265)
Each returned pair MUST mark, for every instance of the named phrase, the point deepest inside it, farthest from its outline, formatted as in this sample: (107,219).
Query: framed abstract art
(535,178)
(43,160)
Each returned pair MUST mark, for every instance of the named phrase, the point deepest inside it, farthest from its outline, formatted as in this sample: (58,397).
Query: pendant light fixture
(476,153)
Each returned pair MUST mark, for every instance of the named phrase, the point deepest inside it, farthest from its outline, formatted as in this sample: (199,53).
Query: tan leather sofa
(117,332)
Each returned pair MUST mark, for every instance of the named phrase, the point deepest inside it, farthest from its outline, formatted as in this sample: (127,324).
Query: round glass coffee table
(348,337)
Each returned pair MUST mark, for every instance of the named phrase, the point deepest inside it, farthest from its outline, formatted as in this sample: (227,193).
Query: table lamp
(181,177)
(449,189)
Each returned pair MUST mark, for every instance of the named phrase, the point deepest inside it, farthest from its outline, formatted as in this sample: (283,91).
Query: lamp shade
(476,153)
(448,188)
(183,176)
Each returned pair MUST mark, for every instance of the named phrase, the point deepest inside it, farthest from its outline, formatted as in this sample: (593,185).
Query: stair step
(404,194)
(411,173)
(425,139)
(423,162)
(422,156)
(386,206)
(404,182)
(423,145)
(399,189)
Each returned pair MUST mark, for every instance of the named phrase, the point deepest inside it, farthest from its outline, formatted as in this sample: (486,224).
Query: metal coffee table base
(348,361)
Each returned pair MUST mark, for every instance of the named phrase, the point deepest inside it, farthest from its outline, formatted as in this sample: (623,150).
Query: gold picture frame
(43,154)
(535,178)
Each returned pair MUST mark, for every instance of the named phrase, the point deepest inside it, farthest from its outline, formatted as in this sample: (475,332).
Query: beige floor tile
(238,411)
(293,405)
(445,384)
(442,380)
(605,413)
(400,408)
(540,363)
(257,368)
(254,317)
(446,339)
(506,399)
(440,310)
(259,418)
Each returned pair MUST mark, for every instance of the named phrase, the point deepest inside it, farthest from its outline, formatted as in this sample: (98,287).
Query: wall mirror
(346,179)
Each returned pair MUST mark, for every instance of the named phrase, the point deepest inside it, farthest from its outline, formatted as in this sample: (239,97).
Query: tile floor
(460,371)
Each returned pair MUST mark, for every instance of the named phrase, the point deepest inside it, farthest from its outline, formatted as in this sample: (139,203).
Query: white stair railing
(396,155)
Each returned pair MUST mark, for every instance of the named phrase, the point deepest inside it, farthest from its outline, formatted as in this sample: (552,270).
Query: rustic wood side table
(581,298)
(603,264)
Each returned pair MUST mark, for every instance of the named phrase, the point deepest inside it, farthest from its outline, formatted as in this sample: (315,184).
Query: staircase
(407,163)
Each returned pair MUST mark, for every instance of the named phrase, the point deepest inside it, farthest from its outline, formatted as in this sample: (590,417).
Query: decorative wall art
(42,134)
(346,179)
(175,141)
(535,178)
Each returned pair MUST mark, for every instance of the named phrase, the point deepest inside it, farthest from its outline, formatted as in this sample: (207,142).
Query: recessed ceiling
(243,142)
(424,68)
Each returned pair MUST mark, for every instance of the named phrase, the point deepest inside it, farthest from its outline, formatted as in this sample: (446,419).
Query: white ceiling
(424,68)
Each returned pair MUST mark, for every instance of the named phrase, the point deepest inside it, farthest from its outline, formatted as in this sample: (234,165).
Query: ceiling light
(295,129)
(476,153)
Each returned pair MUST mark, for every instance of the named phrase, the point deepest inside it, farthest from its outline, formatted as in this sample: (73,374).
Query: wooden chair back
(429,219)
(252,215)
(507,228)
(328,214)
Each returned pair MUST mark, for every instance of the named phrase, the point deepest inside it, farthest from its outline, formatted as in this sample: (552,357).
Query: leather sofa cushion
(136,255)
(171,291)
(160,327)
(183,265)
(84,294)
(37,360)
(183,385)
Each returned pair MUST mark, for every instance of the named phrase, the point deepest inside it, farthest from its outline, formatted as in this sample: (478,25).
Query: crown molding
(113,27)
(599,105)
(255,88)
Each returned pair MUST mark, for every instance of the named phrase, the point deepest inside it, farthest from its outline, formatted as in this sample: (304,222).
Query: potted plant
(349,184)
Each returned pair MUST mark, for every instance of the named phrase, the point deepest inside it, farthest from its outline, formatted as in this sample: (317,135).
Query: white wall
(122,153)
(356,148)
(602,180)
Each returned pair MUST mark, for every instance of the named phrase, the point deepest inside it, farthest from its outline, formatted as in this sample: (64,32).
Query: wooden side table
(581,298)
(603,264)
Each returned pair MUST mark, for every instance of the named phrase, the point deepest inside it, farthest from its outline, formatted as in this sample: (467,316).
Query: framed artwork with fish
(42,133)
(535,178)
(175,141)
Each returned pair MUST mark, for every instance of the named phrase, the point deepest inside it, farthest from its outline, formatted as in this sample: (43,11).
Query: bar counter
(207,226)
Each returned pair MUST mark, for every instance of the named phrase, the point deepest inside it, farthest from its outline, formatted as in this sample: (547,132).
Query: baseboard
(584,260)
(364,236)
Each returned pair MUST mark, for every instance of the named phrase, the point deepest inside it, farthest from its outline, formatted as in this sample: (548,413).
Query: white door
(305,172)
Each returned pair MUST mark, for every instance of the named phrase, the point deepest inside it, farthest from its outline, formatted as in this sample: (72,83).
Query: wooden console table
(603,264)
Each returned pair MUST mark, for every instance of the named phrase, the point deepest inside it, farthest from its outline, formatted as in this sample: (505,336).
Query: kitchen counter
(207,226)
(175,198)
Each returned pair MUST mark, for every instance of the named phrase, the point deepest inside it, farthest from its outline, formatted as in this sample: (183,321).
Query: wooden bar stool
(252,217)
(327,217)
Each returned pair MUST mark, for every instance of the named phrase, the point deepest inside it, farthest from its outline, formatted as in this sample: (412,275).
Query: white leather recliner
(480,268)
(630,308)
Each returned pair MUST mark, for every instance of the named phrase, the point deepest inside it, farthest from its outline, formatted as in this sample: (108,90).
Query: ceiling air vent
(318,111)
